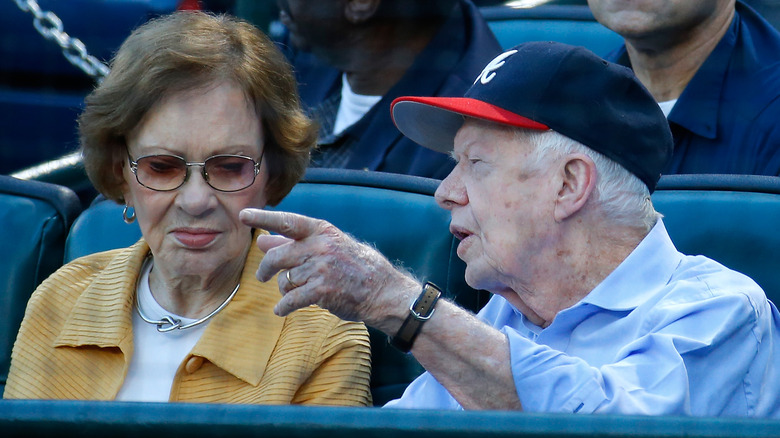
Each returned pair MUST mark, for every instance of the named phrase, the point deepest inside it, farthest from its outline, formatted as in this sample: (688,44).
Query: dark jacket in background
(447,67)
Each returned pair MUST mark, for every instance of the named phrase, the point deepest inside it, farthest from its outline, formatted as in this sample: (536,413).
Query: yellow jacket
(76,340)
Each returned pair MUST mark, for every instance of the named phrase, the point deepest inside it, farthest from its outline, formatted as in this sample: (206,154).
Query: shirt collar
(426,76)
(698,106)
(649,267)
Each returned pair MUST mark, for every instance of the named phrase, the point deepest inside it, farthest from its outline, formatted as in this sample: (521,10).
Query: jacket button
(193,364)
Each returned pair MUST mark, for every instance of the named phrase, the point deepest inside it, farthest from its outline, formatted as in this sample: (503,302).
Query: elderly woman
(198,120)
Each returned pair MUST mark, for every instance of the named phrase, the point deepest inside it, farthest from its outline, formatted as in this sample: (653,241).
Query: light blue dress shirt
(663,334)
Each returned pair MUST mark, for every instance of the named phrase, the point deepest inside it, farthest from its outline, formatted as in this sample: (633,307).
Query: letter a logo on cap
(489,71)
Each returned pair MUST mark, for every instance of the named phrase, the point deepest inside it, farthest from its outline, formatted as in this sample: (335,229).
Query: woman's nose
(195,196)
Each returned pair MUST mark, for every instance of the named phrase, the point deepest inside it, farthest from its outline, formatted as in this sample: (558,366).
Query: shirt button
(193,364)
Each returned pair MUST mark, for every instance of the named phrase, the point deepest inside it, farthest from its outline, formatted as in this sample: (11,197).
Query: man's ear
(577,184)
(359,11)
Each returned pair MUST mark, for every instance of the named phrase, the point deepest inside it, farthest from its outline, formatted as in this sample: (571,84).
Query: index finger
(294,226)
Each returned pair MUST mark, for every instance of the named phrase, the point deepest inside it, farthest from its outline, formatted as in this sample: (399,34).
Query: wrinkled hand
(330,269)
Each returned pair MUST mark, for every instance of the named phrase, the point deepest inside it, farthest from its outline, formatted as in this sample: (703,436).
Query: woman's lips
(195,238)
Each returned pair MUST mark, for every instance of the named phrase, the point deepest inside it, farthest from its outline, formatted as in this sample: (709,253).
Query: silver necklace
(168,323)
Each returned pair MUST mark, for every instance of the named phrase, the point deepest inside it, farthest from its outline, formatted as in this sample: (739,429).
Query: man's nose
(451,191)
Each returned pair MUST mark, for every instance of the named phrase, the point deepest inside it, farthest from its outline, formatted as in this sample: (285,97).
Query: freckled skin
(507,247)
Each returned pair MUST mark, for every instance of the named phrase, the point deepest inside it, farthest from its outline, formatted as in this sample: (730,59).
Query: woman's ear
(121,169)
(359,11)
(577,185)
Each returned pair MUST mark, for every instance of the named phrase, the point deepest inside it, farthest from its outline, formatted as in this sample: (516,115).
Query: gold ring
(289,280)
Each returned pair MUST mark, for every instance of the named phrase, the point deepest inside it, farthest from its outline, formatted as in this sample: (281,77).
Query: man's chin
(475,279)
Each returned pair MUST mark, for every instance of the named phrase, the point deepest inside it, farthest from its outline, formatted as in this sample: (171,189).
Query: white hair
(621,195)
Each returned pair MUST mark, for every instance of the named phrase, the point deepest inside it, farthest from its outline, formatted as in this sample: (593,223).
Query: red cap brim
(433,121)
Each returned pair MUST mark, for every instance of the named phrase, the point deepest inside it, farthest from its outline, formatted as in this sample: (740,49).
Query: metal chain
(49,25)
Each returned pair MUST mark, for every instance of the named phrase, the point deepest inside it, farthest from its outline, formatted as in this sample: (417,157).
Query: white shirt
(157,355)
(667,106)
(352,107)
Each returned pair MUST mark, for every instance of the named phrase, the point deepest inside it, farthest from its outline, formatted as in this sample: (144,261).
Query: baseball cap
(550,85)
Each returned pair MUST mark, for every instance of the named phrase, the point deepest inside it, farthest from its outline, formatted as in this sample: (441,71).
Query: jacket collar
(102,315)
(239,339)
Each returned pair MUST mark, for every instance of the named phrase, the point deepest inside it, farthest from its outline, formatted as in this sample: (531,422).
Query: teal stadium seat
(570,24)
(730,218)
(34,221)
(88,419)
(396,213)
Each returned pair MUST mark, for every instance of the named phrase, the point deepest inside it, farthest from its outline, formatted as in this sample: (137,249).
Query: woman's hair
(621,196)
(185,51)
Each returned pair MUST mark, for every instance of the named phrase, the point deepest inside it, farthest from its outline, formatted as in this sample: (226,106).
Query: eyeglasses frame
(188,164)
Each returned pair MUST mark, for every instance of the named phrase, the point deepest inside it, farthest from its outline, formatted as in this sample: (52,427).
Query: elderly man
(594,310)
(713,67)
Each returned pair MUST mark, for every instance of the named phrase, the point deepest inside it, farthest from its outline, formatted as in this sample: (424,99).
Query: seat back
(570,24)
(395,213)
(732,219)
(99,228)
(34,220)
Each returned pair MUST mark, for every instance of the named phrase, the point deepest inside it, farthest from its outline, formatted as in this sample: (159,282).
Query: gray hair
(621,196)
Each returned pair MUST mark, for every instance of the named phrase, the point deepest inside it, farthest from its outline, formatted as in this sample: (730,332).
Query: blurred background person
(198,119)
(713,67)
(352,58)
(769,9)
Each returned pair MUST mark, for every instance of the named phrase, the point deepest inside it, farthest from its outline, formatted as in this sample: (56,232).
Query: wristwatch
(419,312)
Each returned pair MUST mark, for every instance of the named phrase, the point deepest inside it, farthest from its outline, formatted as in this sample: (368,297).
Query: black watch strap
(419,312)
